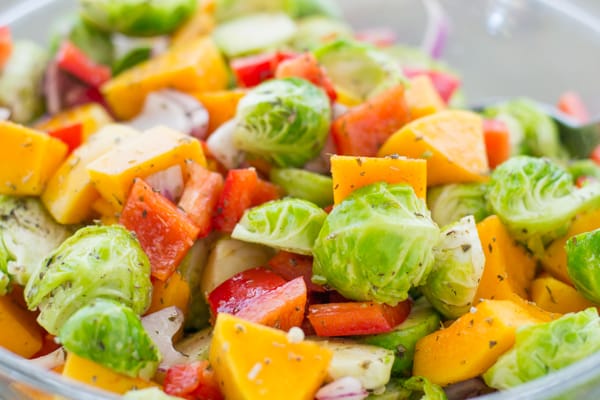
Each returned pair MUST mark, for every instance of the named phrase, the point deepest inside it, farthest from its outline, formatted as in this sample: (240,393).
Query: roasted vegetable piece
(536,199)
(552,295)
(289,224)
(112,335)
(96,262)
(135,18)
(304,184)
(376,244)
(449,203)
(285,121)
(457,269)
(412,388)
(582,263)
(20,333)
(542,349)
(27,235)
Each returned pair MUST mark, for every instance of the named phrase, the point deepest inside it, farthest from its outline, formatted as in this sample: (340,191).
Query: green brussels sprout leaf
(304,184)
(449,203)
(583,264)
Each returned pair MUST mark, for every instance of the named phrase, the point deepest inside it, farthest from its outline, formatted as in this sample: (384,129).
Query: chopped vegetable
(555,296)
(6,45)
(291,266)
(571,104)
(304,184)
(582,266)
(307,67)
(497,141)
(20,333)
(175,291)
(73,60)
(221,106)
(422,98)
(69,135)
(91,116)
(318,30)
(195,380)
(445,83)
(449,203)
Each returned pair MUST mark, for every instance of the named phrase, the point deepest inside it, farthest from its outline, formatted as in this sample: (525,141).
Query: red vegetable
(291,266)
(6,45)
(444,83)
(74,61)
(71,135)
(356,318)
(307,67)
(252,70)
(194,381)
(497,141)
(571,104)
(164,231)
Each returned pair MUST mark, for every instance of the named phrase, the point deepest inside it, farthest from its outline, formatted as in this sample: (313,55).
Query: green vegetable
(95,43)
(421,321)
(533,132)
(307,8)
(285,121)
(376,244)
(315,31)
(131,59)
(579,140)
(304,184)
(96,262)
(288,224)
(449,203)
(197,345)
(21,81)
(583,263)
(137,17)
(584,168)
(413,388)
(230,9)
(254,33)
(545,348)
(536,199)
(148,394)
(358,69)
(112,335)
(459,261)
(27,235)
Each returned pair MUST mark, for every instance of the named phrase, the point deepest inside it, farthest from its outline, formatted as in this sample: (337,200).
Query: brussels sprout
(416,387)
(376,244)
(21,81)
(449,203)
(148,394)
(135,17)
(358,69)
(96,262)
(583,263)
(545,348)
(287,224)
(307,8)
(27,235)
(457,269)
(131,59)
(230,9)
(285,121)
(95,43)
(533,132)
(304,184)
(536,199)
(584,169)
(315,31)
(191,268)
(112,335)
(254,33)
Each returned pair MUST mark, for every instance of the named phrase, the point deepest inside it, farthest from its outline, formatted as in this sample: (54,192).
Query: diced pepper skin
(497,141)
(29,158)
(356,318)
(307,67)
(253,70)
(74,61)
(236,197)
(194,381)
(164,232)
(291,266)
(71,135)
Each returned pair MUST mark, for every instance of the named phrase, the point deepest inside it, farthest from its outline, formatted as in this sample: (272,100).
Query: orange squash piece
(221,105)
(19,331)
(350,173)
(452,143)
(555,296)
(422,98)
(91,116)
(175,291)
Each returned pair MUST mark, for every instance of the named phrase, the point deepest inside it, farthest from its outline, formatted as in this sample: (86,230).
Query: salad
(240,199)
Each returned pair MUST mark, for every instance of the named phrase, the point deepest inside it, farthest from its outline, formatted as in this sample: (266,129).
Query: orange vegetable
(555,296)
(363,129)
(509,268)
(6,45)
(472,344)
(423,98)
(200,24)
(20,333)
(175,291)
(91,116)
(350,173)
(195,66)
(221,105)
(497,141)
(452,143)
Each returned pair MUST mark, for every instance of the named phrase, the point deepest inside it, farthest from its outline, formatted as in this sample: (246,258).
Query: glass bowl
(502,48)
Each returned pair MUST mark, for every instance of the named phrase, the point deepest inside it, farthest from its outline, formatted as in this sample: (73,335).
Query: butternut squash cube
(91,116)
(555,296)
(173,292)
(252,361)
(422,98)
(20,333)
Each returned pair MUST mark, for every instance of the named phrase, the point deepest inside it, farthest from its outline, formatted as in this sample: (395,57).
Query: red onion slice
(221,146)
(168,182)
(161,326)
(436,32)
(51,360)
(347,388)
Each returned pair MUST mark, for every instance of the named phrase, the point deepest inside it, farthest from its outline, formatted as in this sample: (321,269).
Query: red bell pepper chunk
(571,104)
(497,141)
(6,45)
(73,60)
(356,318)
(445,83)
(380,37)
(71,135)
(265,191)
(252,70)
(236,197)
(307,67)
(363,129)
(163,230)
(291,266)
(194,381)
(233,294)
(200,196)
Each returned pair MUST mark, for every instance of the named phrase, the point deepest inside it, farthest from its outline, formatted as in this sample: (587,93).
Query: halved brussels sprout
(533,132)
(304,184)
(536,199)
(137,18)
(287,224)
(96,262)
(112,335)
(358,69)
(545,348)
(457,269)
(449,203)
(583,263)
(191,269)
(285,121)
(230,9)
(376,244)
(27,235)
(315,31)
